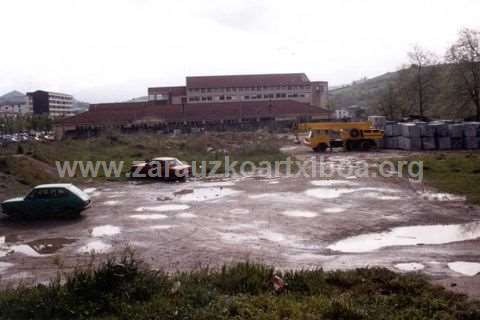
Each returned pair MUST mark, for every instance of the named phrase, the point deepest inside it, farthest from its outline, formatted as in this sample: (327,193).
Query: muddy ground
(288,222)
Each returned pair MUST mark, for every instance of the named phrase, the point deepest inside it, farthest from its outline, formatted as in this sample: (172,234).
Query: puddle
(333,183)
(107,230)
(236,238)
(216,184)
(112,202)
(157,216)
(161,227)
(164,208)
(4,266)
(49,246)
(272,236)
(205,194)
(89,190)
(430,196)
(25,250)
(96,246)
(409,236)
(466,268)
(289,197)
(409,266)
(239,211)
(334,210)
(19,276)
(328,193)
(300,213)
(186,215)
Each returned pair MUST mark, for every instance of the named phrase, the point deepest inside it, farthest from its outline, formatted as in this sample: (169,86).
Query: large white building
(53,104)
(239,88)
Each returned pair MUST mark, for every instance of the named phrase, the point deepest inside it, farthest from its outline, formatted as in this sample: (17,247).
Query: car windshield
(174,162)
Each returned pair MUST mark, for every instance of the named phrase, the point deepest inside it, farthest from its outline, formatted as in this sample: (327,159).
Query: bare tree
(387,102)
(464,71)
(419,81)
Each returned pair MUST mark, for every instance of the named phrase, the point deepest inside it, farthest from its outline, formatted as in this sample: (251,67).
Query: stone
(406,143)
(429,143)
(470,129)
(391,143)
(440,129)
(471,142)
(456,130)
(457,143)
(392,130)
(444,143)
(426,130)
(410,130)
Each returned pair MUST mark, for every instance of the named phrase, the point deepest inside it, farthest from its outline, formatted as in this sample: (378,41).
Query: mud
(289,222)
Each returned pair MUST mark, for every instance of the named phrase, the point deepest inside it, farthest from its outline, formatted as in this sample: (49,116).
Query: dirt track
(287,222)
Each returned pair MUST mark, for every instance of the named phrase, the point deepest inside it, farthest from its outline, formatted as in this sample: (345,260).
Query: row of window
(249,97)
(256,88)
(52,97)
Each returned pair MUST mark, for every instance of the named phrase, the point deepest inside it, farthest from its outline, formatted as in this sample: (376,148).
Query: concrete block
(457,143)
(429,143)
(440,129)
(470,129)
(456,130)
(406,143)
(410,130)
(393,130)
(444,143)
(426,130)
(391,142)
(471,142)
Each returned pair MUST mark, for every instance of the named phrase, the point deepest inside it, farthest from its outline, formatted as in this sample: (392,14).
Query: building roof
(177,91)
(252,80)
(143,112)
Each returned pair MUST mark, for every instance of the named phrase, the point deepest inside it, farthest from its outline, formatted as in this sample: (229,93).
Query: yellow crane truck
(349,135)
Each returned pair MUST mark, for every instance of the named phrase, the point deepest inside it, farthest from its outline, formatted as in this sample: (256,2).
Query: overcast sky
(111,50)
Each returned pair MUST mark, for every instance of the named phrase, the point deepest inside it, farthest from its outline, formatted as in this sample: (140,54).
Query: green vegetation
(126,289)
(456,173)
(239,146)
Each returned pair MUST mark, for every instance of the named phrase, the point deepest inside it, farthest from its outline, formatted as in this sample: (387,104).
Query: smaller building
(11,110)
(53,104)
(342,114)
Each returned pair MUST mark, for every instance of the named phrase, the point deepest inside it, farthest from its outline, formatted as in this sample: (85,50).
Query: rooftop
(131,112)
(248,80)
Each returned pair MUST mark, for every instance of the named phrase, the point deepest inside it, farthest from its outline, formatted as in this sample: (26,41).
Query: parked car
(48,200)
(163,167)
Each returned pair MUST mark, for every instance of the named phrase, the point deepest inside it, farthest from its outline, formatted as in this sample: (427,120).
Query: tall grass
(124,288)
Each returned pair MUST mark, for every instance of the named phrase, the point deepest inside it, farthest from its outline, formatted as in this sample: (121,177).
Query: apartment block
(244,88)
(54,104)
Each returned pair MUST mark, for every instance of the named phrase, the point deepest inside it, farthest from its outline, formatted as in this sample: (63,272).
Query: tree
(387,101)
(419,81)
(464,71)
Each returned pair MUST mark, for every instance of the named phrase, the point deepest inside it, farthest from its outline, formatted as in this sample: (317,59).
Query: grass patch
(456,173)
(124,288)
(239,146)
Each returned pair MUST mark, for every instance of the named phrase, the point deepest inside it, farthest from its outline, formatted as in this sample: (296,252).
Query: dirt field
(289,222)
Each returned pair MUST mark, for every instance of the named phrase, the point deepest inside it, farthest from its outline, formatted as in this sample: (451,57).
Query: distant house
(342,114)
(14,104)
